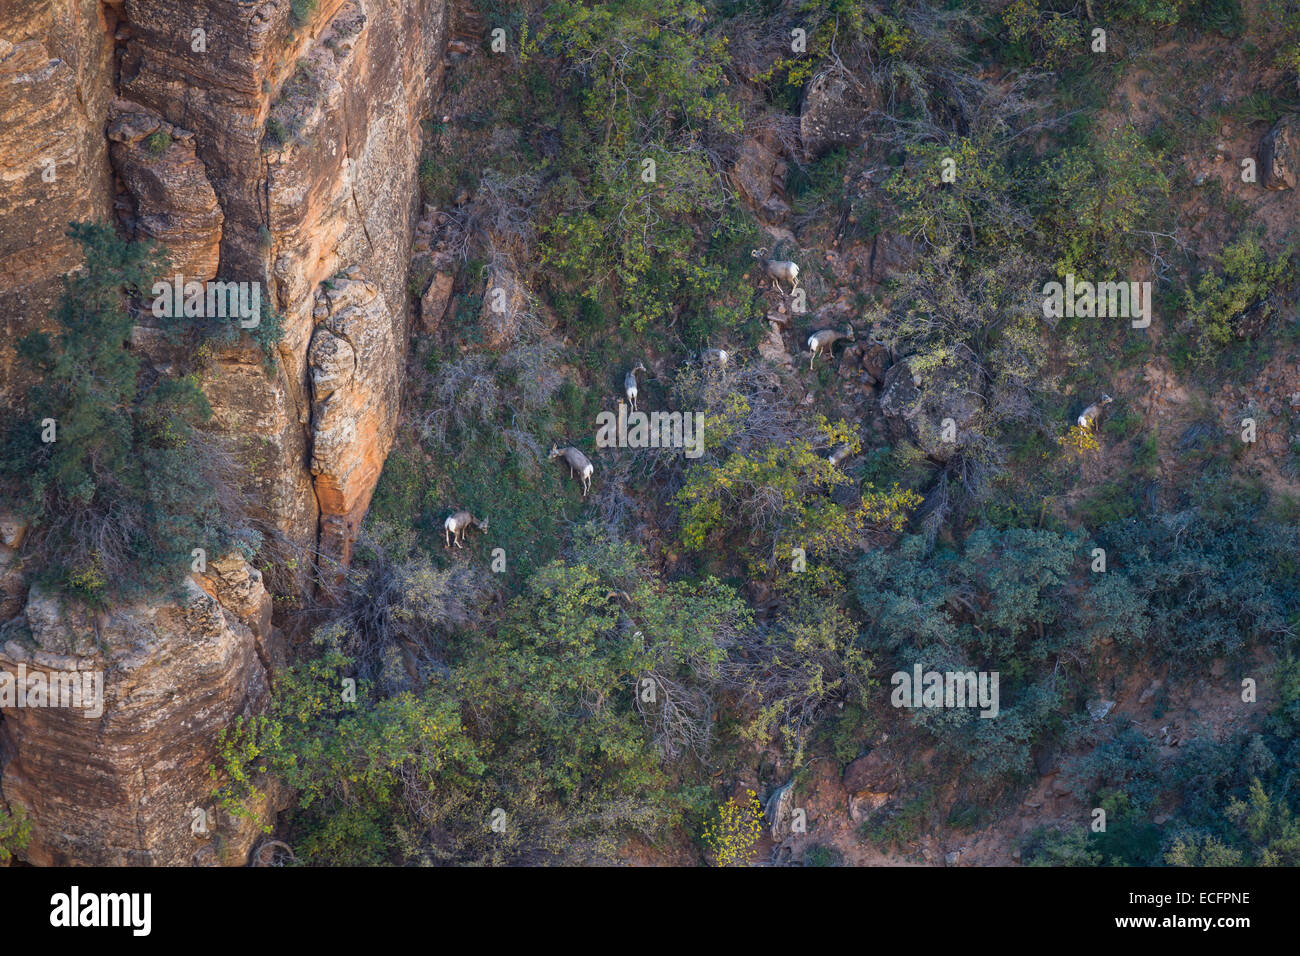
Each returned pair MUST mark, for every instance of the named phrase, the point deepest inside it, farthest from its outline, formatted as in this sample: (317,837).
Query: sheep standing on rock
(778,270)
(824,340)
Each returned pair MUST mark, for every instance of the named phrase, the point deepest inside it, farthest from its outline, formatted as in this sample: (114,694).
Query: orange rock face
(117,783)
(355,361)
(55,86)
(258,150)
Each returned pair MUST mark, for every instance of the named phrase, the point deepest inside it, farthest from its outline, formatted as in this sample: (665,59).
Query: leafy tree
(959,192)
(1247,285)
(356,766)
(1214,578)
(652,93)
(775,499)
(1269,826)
(129,485)
(1097,196)
(1202,850)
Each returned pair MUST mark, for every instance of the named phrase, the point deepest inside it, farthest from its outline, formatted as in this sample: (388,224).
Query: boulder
(505,300)
(1278,160)
(922,403)
(436,297)
(778,811)
(173,201)
(835,111)
(1098,709)
(759,177)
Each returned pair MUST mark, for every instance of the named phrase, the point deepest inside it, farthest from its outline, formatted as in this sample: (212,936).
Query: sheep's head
(482,525)
(759,253)
(1105,399)
(555,452)
(638,367)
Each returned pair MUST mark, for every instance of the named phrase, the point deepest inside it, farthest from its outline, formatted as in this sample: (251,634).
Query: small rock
(1098,709)
(12,530)
(1276,154)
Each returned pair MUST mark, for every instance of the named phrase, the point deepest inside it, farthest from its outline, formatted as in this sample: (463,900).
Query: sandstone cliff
(259,145)
(123,787)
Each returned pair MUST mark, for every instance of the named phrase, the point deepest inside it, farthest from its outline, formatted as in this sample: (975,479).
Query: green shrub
(15,833)
(131,484)
(156,143)
(1248,282)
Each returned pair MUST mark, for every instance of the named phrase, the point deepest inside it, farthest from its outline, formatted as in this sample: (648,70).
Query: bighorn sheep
(716,357)
(629,384)
(1090,414)
(838,454)
(824,340)
(454,527)
(777,269)
(579,465)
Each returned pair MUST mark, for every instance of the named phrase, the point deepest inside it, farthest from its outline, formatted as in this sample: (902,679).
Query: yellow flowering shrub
(732,835)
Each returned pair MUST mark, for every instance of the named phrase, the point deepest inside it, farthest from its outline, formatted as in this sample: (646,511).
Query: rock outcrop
(260,146)
(117,781)
(836,109)
(934,408)
(759,176)
(168,197)
(13,590)
(56,81)
(356,365)
(1277,153)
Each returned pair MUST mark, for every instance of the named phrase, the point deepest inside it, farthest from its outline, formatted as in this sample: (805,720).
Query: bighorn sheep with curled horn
(824,340)
(629,384)
(579,465)
(1093,411)
(455,526)
(778,269)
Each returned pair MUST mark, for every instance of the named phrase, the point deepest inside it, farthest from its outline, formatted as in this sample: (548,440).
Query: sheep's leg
(447,534)
(778,288)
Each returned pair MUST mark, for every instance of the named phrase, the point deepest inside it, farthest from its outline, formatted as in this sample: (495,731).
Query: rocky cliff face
(118,781)
(259,148)
(56,81)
